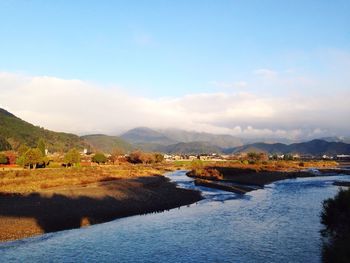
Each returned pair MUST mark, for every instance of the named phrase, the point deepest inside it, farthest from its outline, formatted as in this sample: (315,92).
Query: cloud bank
(81,107)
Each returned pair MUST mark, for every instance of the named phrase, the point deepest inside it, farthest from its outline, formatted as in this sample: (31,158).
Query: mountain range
(14,131)
(315,147)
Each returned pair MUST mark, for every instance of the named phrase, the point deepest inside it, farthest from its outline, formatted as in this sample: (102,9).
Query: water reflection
(276,224)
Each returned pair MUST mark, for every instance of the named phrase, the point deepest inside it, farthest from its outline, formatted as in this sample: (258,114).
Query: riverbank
(242,179)
(105,197)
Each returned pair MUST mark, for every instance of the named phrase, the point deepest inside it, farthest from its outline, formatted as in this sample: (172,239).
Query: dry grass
(26,181)
(281,166)
(255,173)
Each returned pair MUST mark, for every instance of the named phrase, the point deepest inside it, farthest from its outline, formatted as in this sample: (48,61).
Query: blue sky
(163,49)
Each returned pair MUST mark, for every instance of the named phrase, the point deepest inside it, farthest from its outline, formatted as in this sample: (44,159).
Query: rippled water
(277,224)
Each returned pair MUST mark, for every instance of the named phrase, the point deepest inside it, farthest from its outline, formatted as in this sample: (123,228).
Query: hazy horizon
(248,69)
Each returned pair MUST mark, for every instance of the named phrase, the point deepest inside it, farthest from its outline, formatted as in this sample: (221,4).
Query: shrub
(99,158)
(20,160)
(288,157)
(143,157)
(335,218)
(11,156)
(197,164)
(245,162)
(254,157)
(72,157)
(116,155)
(3,159)
(159,157)
(135,157)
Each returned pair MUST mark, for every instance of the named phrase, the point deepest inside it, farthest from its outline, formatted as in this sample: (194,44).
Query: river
(279,223)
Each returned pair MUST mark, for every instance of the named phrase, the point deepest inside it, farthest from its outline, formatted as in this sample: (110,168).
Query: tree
(22,149)
(41,146)
(11,156)
(335,218)
(4,144)
(72,157)
(254,157)
(135,157)
(3,159)
(99,158)
(159,157)
(32,157)
(116,153)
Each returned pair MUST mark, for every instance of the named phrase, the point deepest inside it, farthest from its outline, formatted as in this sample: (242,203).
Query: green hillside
(107,143)
(14,132)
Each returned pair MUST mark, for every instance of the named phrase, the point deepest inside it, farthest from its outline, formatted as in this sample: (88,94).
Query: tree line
(36,157)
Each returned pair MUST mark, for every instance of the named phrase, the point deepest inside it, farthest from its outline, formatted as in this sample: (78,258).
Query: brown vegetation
(25,181)
(255,173)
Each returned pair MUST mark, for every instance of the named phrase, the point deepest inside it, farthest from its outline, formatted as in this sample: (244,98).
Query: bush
(72,157)
(135,157)
(99,158)
(146,158)
(254,157)
(3,159)
(335,217)
(159,157)
(11,156)
(116,155)
(245,162)
(288,157)
(197,164)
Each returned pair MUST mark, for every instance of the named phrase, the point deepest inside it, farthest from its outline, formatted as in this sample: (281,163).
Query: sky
(246,68)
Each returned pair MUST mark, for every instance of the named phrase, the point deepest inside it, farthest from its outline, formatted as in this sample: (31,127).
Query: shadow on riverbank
(36,213)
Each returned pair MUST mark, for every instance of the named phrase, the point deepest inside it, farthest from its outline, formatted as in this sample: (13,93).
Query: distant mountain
(336,139)
(314,147)
(187,142)
(143,135)
(220,140)
(190,148)
(107,144)
(14,131)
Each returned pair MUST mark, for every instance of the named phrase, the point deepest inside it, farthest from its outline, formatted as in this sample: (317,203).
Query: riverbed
(279,223)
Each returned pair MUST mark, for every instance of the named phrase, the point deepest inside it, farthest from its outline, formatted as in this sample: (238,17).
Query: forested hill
(14,132)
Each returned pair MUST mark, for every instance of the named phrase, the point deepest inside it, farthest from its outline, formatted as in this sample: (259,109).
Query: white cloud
(81,107)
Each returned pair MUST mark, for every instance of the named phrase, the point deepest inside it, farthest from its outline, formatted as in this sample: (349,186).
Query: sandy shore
(25,215)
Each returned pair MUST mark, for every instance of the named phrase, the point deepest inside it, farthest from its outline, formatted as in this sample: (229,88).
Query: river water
(277,224)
